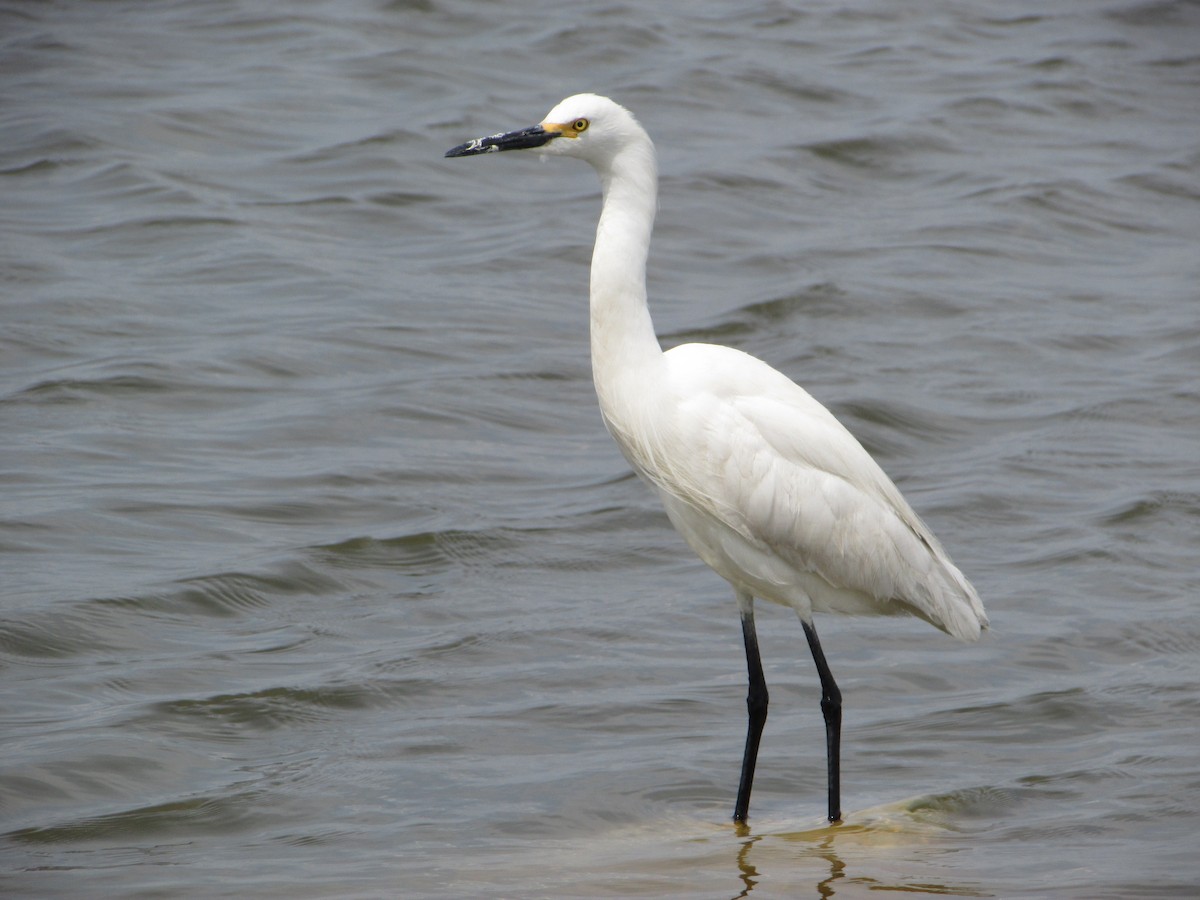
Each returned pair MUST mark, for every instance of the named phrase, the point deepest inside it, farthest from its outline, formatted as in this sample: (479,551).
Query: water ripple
(321,575)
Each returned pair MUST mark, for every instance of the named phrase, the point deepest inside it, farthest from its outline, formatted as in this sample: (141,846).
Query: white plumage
(762,481)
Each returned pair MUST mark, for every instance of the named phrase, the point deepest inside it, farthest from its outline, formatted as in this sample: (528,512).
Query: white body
(774,494)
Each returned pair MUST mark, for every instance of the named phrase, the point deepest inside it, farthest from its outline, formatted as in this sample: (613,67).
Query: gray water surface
(320,577)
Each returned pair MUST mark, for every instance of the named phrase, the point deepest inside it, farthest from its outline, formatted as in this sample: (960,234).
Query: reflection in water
(825,887)
(882,835)
(837,868)
(745,867)
(750,876)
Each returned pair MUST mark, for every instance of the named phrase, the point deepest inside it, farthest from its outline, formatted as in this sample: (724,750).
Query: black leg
(756,705)
(831,708)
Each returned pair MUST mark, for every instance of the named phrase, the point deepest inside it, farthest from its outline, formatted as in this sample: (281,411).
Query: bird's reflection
(750,875)
(746,868)
(821,844)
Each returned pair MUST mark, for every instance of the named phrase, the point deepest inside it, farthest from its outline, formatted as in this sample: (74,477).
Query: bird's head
(587,126)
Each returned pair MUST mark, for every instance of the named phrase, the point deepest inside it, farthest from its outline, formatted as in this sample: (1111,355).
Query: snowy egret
(761,480)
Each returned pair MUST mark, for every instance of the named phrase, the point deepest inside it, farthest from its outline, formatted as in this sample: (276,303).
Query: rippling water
(321,577)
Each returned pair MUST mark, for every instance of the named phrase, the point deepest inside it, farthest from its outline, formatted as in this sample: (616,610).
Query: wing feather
(742,443)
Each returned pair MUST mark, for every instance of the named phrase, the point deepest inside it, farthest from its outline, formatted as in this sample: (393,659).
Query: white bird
(761,480)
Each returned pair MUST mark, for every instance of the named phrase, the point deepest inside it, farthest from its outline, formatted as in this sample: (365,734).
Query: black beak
(525,139)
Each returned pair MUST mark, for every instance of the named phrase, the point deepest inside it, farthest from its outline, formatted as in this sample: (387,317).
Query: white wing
(739,442)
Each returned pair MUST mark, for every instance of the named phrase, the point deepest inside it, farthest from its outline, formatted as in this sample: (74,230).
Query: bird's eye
(579,125)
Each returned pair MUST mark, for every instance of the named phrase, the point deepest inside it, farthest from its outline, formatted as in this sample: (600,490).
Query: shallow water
(321,577)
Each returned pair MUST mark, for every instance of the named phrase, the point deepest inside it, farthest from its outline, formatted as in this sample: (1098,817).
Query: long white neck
(623,339)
